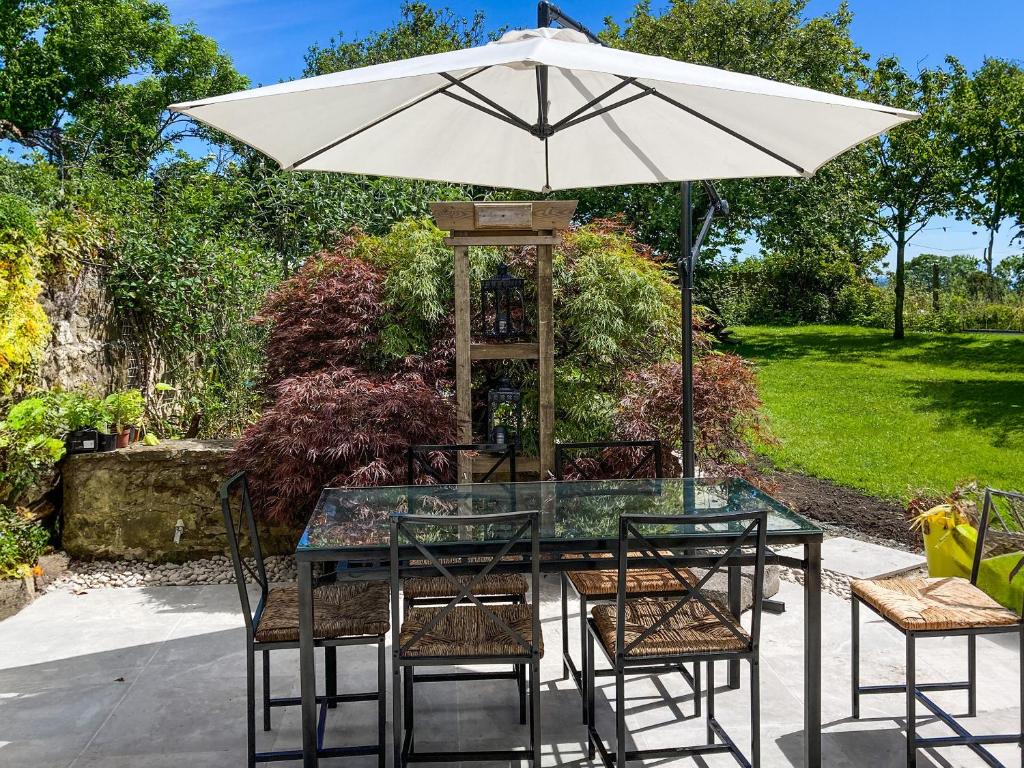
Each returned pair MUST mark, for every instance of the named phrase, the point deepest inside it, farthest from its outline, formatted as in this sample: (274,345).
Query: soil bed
(846,510)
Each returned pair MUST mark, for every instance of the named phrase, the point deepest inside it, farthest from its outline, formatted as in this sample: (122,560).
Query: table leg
(307,665)
(812,655)
(736,609)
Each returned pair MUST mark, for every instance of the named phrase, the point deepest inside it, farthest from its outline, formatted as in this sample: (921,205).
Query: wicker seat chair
(355,613)
(465,630)
(943,607)
(638,459)
(438,464)
(651,634)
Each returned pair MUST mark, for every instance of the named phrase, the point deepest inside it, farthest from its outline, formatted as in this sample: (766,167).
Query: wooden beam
(469,216)
(545,363)
(511,351)
(463,377)
(484,238)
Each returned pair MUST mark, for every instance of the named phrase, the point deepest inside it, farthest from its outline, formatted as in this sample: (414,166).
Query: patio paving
(155,676)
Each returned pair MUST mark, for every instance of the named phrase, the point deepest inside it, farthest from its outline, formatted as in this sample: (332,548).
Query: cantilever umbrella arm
(689,247)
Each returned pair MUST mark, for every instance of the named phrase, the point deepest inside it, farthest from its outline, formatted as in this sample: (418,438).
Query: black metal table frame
(372,561)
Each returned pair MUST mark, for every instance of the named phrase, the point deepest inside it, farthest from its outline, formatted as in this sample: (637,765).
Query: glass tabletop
(585,511)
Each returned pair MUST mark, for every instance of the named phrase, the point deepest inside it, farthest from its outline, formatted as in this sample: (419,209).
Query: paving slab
(120,678)
(862,559)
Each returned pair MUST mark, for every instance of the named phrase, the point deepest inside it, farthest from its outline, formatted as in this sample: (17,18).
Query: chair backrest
(714,541)
(1000,530)
(608,460)
(439,463)
(238,486)
(422,538)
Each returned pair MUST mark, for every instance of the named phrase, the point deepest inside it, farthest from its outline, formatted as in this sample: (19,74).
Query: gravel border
(97,574)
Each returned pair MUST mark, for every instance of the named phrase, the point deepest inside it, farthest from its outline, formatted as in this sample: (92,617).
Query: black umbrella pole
(686,290)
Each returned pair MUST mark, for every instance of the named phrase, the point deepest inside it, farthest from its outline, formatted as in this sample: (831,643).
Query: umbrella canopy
(545,109)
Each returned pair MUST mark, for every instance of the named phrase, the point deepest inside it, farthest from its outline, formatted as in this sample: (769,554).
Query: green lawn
(892,418)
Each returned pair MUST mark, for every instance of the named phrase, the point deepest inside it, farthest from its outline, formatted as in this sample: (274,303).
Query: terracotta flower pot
(124,438)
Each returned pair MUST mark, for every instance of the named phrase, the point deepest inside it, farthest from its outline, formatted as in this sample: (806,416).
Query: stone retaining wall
(123,505)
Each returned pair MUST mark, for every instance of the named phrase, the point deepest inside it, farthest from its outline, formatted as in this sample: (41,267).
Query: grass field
(892,418)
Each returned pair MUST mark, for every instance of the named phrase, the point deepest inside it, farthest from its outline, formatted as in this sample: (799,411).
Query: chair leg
(620,717)
(711,701)
(855,656)
(1020,664)
(972,675)
(564,594)
(520,670)
(590,695)
(408,704)
(535,739)
(696,689)
(331,673)
(583,639)
(266,690)
(755,713)
(382,704)
(250,705)
(911,702)
(396,711)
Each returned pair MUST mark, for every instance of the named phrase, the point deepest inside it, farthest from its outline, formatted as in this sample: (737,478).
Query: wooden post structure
(505,224)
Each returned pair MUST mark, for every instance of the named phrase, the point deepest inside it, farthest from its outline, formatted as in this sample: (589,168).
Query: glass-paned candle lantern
(504,414)
(501,306)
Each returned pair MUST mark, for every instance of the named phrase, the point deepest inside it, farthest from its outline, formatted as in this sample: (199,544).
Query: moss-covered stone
(125,504)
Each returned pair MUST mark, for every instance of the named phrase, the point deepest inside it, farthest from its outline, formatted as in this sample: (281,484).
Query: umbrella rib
(607,108)
(563,123)
(489,102)
(388,116)
(726,129)
(486,111)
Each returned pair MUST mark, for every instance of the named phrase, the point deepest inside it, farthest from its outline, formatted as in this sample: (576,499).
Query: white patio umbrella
(547,109)
(485,116)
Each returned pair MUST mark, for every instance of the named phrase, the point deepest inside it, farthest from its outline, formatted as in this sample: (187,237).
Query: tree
(954,270)
(422,30)
(102,72)
(912,169)
(1011,271)
(987,120)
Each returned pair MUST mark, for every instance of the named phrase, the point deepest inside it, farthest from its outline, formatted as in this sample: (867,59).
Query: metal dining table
(348,534)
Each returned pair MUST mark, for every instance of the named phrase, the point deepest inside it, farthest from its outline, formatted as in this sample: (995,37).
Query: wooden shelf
(485,238)
(512,351)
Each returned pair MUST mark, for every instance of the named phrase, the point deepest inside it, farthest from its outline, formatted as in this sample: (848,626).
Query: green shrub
(21,543)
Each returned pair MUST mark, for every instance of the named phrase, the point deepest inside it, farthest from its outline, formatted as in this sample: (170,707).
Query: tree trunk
(901,248)
(989,251)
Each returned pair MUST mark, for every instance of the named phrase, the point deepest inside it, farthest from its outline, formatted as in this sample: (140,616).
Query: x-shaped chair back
(439,463)
(596,461)
(735,535)
(520,527)
(238,486)
(1000,531)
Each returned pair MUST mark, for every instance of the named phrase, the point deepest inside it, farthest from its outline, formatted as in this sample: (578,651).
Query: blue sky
(267,40)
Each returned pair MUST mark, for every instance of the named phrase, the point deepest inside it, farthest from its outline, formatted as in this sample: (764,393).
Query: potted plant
(83,418)
(125,410)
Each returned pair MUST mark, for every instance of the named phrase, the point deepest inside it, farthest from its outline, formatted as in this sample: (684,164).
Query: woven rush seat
(493,584)
(468,631)
(692,629)
(339,610)
(919,603)
(603,584)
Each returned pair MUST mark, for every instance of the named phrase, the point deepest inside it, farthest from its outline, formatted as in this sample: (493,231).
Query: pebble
(83,575)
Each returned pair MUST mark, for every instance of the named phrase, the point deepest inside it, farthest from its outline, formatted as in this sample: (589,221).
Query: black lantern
(501,305)
(504,414)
